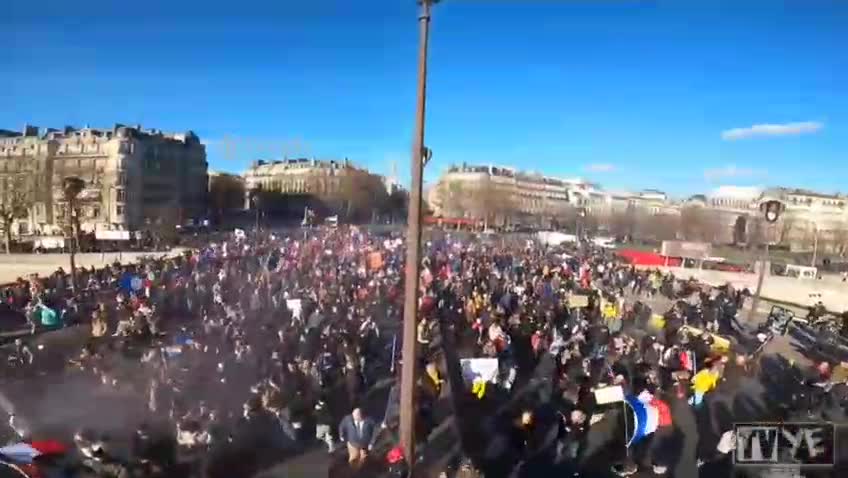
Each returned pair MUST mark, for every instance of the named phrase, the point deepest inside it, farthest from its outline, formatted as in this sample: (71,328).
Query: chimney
(30,130)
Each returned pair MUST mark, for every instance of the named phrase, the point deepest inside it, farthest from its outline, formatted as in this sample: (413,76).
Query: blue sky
(628,93)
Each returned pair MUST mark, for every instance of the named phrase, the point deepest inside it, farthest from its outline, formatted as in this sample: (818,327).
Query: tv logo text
(776,444)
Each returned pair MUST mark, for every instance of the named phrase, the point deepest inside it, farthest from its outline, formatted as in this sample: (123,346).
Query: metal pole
(73,246)
(815,244)
(413,243)
(763,260)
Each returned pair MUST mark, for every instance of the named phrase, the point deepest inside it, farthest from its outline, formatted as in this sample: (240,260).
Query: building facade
(810,220)
(504,195)
(133,178)
(497,195)
(339,186)
(813,220)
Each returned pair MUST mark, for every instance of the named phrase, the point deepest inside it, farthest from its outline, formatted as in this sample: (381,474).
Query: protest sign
(485,369)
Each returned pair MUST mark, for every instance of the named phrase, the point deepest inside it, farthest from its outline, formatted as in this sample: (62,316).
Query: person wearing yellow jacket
(478,388)
(704,381)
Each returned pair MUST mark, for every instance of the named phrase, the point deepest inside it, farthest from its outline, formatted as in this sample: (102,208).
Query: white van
(604,242)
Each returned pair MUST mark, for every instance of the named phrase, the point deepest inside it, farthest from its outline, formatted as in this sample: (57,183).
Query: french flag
(25,453)
(649,413)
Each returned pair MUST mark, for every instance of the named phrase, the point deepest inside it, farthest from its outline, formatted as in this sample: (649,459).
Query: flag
(49,317)
(27,452)
(646,418)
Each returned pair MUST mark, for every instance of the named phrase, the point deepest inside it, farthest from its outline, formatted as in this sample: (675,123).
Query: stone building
(134,178)
(810,221)
(498,195)
(339,187)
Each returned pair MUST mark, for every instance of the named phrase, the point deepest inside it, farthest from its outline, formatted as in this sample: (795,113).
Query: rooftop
(807,192)
(737,192)
(30,131)
(267,167)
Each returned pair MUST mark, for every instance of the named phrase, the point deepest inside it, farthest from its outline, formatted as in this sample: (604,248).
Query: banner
(687,250)
(49,318)
(578,301)
(295,306)
(112,235)
(375,261)
(606,395)
(485,369)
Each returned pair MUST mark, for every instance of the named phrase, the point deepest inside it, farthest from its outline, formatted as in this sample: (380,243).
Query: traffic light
(772,210)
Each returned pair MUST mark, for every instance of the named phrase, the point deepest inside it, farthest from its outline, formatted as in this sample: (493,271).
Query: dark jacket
(361,438)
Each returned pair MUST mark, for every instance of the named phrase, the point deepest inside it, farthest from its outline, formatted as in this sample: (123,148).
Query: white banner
(295,306)
(112,235)
(479,368)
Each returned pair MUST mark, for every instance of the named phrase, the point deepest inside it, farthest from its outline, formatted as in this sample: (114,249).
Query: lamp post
(771,213)
(256,202)
(581,214)
(413,245)
(815,244)
(72,187)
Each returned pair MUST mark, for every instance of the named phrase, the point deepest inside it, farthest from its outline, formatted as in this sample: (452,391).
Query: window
(122,178)
(95,212)
(119,210)
(120,195)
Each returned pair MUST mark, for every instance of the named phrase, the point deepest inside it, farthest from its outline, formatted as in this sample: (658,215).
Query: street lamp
(256,203)
(413,237)
(581,214)
(72,186)
(771,210)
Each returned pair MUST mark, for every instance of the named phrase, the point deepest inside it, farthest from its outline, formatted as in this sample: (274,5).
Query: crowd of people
(252,349)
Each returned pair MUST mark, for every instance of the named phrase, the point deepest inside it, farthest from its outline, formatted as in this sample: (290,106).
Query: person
(99,324)
(359,433)
(23,353)
(323,428)
(704,381)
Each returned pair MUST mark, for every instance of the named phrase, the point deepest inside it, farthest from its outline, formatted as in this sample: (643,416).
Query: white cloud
(600,168)
(731,171)
(784,129)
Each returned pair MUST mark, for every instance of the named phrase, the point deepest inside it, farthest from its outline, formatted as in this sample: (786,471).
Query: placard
(485,369)
(578,300)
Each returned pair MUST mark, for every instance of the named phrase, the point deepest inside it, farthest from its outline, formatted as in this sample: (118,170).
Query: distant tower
(392,180)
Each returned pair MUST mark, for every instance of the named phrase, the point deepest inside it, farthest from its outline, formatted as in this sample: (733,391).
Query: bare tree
(162,224)
(785,229)
(454,197)
(699,224)
(623,223)
(840,240)
(692,223)
(226,193)
(360,196)
(486,201)
(15,203)
(560,213)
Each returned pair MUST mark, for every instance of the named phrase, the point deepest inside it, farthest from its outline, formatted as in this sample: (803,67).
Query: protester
(360,434)
(247,342)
